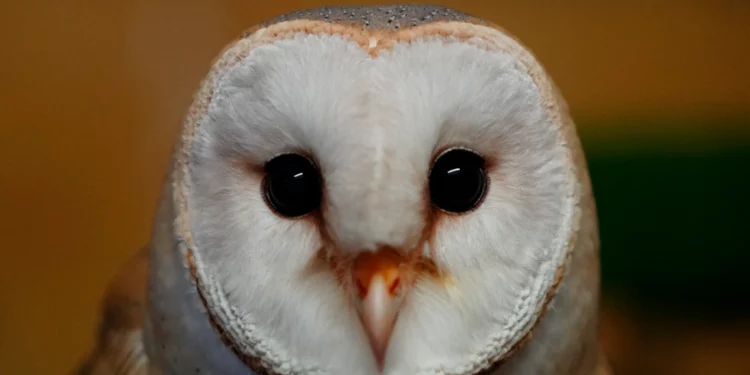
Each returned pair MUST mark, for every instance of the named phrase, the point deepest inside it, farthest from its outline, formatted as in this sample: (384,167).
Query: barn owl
(367,190)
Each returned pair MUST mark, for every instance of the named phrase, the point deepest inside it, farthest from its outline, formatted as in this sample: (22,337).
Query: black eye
(458,181)
(292,185)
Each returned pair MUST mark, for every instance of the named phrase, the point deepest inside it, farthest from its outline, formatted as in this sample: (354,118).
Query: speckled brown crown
(379,17)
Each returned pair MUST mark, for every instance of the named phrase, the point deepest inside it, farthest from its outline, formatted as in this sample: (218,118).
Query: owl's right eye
(292,185)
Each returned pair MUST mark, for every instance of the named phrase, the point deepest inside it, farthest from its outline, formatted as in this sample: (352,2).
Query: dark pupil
(458,181)
(292,185)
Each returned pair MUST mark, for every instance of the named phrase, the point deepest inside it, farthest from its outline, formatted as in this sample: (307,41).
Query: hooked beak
(380,292)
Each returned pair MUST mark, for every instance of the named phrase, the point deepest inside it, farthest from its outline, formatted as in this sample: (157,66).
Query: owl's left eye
(458,181)
(292,185)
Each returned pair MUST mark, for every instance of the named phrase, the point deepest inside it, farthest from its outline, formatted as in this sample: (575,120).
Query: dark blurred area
(94,92)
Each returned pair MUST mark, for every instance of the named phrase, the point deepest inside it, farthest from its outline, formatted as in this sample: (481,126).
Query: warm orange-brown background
(93,92)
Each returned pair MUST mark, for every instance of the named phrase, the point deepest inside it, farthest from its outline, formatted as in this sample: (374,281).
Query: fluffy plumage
(235,288)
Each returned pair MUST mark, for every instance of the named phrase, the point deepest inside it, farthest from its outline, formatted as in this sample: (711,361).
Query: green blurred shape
(673,213)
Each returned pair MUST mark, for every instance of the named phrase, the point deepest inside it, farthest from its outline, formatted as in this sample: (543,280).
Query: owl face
(360,201)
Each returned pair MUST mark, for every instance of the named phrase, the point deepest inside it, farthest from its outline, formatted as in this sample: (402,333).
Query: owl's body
(449,228)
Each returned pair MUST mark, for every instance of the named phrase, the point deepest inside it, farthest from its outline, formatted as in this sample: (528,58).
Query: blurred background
(94,92)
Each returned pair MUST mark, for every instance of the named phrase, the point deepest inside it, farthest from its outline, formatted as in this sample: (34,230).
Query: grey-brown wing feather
(119,345)
(602,367)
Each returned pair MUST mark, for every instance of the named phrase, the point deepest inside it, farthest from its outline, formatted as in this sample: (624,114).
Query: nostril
(394,287)
(361,289)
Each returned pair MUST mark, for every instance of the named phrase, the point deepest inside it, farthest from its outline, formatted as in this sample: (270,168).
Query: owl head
(363,190)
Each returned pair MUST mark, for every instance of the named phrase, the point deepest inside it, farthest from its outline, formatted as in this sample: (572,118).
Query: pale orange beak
(380,291)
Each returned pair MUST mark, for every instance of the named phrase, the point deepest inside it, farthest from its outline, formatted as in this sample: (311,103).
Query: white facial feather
(374,125)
